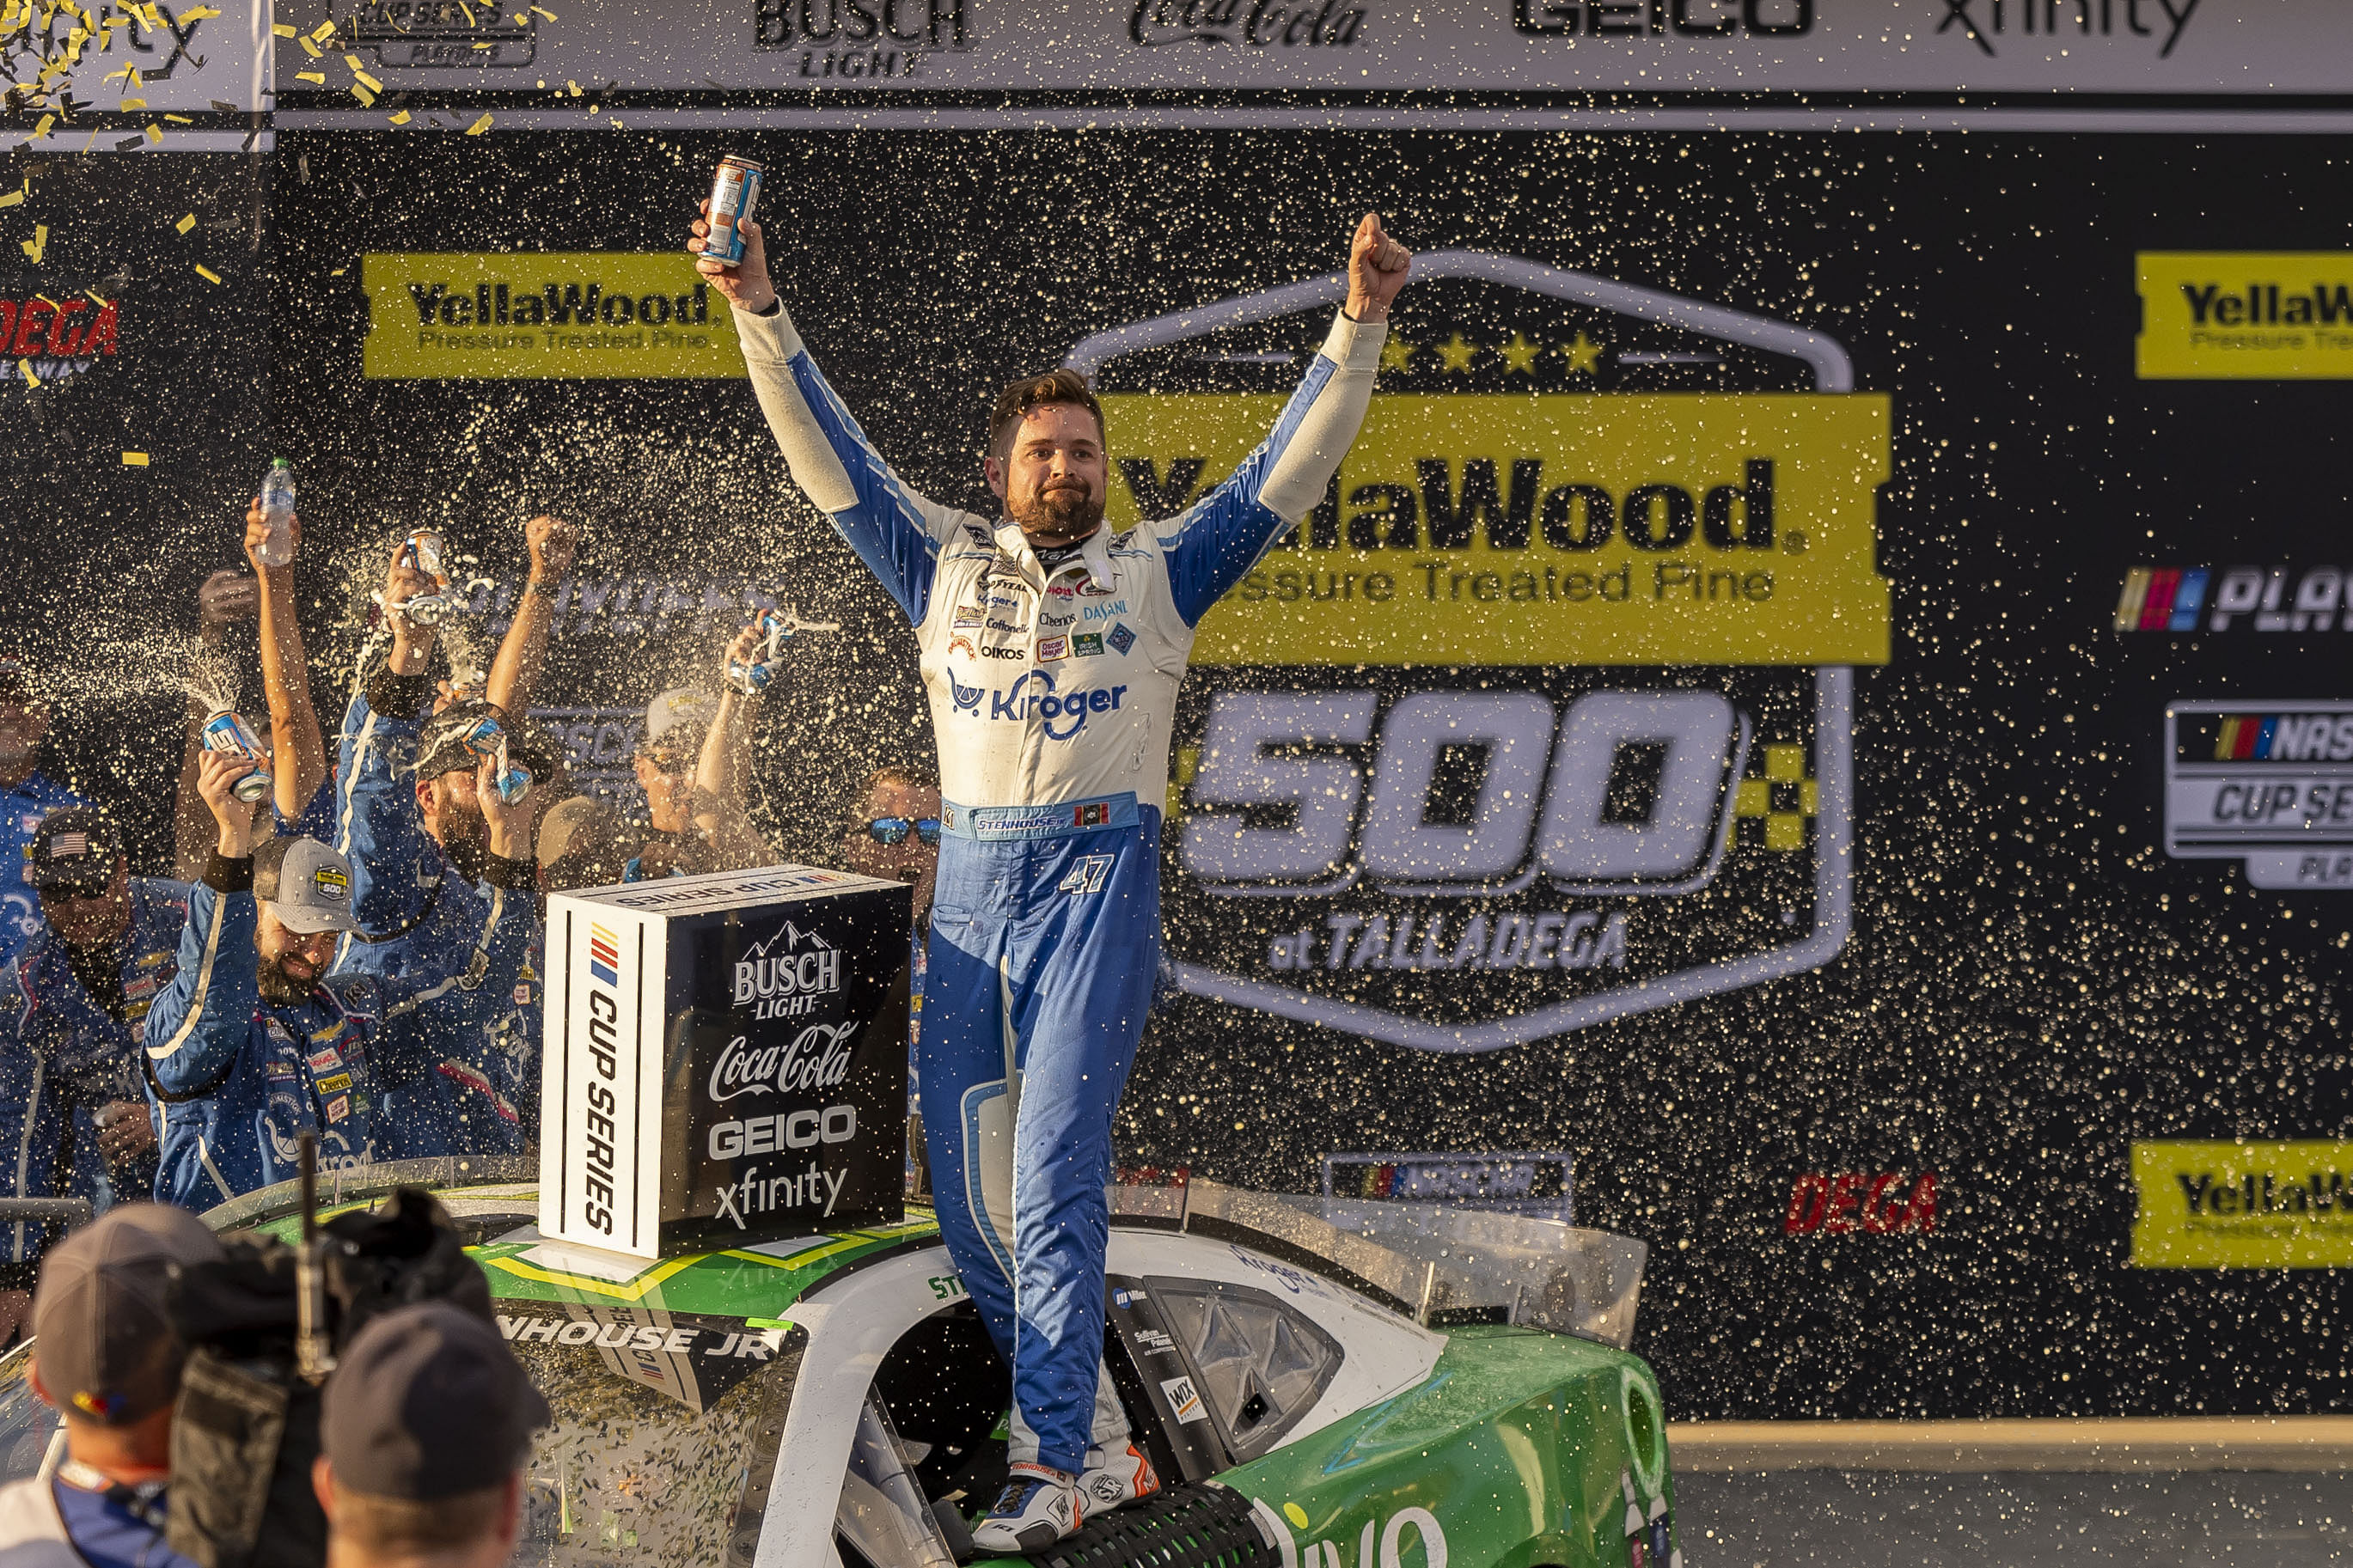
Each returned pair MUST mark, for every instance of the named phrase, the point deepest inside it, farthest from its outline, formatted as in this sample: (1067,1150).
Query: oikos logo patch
(1544,717)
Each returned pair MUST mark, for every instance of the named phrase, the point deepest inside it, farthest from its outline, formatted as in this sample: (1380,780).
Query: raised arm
(198,1023)
(515,671)
(1218,540)
(476,939)
(719,773)
(297,752)
(894,530)
(227,595)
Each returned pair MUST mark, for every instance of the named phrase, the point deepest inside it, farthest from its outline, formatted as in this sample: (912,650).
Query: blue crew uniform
(481,1094)
(21,810)
(1053,684)
(236,1077)
(66,1052)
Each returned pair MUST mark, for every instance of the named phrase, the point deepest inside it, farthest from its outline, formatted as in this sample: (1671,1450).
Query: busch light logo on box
(726,1059)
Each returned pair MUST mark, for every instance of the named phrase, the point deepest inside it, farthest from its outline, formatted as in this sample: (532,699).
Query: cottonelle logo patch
(1545,665)
(2256,315)
(552,315)
(2242,1206)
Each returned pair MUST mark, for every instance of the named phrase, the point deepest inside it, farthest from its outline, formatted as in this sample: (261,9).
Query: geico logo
(1685,18)
(1034,697)
(1578,516)
(1849,1201)
(786,1129)
(1545,785)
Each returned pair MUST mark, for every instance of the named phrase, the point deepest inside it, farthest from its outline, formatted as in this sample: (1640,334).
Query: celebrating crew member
(1053,651)
(895,832)
(254,1042)
(109,1362)
(26,796)
(73,1004)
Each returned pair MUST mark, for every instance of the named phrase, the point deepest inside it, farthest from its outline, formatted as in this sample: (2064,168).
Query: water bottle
(278,507)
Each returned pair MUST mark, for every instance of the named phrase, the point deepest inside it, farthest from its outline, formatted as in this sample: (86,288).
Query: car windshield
(664,1436)
(663,1440)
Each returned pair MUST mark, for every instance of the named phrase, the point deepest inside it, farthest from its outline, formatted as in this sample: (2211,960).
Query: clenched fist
(1377,269)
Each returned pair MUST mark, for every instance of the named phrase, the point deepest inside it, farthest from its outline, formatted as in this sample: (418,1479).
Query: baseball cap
(427,1401)
(306,885)
(442,743)
(73,852)
(104,1347)
(676,721)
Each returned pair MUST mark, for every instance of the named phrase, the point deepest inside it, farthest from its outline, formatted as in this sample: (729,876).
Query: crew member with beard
(481,1094)
(26,796)
(1053,651)
(73,1113)
(253,1042)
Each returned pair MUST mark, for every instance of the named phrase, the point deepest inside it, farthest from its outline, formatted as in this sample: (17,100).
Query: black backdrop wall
(2030,984)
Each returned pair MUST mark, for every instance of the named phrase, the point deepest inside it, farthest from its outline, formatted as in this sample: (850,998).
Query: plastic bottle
(278,507)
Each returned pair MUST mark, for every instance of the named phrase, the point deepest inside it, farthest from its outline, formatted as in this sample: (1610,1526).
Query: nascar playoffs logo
(1542,718)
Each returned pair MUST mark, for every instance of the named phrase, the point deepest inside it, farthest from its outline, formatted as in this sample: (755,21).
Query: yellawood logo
(2242,1206)
(552,315)
(2226,316)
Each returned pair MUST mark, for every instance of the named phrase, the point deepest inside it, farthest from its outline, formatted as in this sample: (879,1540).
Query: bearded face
(289,963)
(1054,476)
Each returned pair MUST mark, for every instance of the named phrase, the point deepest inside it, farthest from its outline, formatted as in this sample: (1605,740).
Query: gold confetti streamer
(154,133)
(323,31)
(367,98)
(544,12)
(479,126)
(283,30)
(403,118)
(206,273)
(368,81)
(186,223)
(319,77)
(12,198)
(134,459)
(311,48)
(26,365)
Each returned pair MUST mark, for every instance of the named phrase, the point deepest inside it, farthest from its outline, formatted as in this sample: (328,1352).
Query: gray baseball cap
(676,721)
(103,1342)
(306,885)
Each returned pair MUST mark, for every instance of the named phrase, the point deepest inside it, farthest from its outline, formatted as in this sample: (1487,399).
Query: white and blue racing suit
(1053,690)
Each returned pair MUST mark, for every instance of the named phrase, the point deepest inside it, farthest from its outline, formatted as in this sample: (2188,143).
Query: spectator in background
(108,1360)
(426,1428)
(73,1105)
(678,723)
(26,796)
(895,833)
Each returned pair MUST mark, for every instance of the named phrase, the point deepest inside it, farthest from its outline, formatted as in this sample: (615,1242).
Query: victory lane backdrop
(1899,1185)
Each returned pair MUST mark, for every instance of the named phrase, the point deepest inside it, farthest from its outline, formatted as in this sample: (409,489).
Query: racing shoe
(1037,1508)
(1117,1477)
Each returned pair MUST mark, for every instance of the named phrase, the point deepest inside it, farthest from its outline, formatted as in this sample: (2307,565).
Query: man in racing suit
(253,1042)
(1053,753)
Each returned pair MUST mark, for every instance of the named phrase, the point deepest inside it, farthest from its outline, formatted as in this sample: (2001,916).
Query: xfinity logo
(1982,21)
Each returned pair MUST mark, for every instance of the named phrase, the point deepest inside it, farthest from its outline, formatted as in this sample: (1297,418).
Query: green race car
(1318,1383)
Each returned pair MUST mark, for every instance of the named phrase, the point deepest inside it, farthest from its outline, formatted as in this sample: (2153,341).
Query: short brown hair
(409,1526)
(1014,403)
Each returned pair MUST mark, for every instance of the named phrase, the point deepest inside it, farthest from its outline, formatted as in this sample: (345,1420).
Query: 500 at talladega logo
(1033,696)
(819,1058)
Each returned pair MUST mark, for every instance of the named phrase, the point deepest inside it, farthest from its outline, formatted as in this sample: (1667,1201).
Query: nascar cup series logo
(1543,717)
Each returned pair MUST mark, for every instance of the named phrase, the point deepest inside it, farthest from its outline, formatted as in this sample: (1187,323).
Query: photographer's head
(105,1353)
(76,864)
(425,1426)
(304,890)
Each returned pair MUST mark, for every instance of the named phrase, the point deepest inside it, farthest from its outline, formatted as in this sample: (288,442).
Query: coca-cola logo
(819,1058)
(1297,23)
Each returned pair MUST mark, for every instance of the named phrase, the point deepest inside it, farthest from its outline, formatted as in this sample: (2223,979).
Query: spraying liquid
(777,628)
(278,507)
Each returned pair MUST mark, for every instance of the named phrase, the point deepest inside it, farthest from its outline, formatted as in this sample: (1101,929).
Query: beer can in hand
(733,193)
(225,731)
(424,554)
